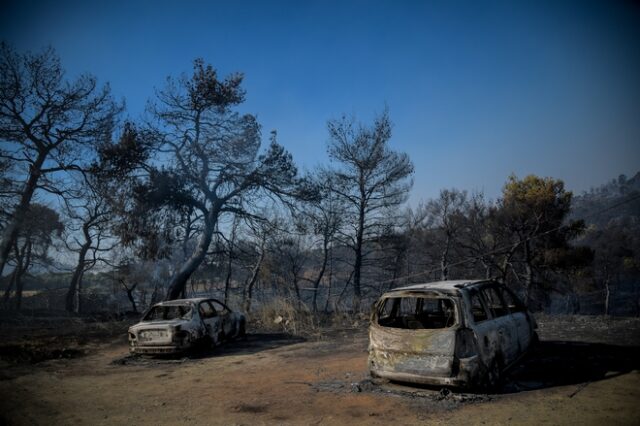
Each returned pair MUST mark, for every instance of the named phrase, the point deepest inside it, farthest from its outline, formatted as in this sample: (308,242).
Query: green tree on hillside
(534,211)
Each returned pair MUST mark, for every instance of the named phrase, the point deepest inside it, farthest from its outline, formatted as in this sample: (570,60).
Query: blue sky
(476,90)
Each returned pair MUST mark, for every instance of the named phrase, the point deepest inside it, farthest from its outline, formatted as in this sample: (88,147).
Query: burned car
(178,325)
(454,333)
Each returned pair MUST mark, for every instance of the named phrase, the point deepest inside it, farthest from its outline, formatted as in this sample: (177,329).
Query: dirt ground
(586,371)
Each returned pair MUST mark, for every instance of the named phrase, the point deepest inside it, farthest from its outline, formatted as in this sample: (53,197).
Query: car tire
(206,343)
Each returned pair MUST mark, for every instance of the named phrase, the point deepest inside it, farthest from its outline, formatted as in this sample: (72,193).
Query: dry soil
(587,371)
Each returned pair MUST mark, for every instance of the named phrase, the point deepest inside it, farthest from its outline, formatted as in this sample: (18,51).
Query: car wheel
(205,343)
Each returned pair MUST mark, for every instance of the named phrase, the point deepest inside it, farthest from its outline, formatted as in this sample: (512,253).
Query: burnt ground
(585,371)
(30,339)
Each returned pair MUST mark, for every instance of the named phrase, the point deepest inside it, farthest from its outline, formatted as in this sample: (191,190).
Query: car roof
(178,302)
(450,286)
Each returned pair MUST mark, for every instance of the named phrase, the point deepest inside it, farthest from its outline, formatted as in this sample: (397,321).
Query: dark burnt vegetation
(41,335)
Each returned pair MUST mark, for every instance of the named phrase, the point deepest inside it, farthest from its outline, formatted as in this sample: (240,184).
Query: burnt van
(463,333)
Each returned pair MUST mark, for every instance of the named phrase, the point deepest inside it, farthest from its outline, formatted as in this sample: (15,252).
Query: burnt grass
(45,335)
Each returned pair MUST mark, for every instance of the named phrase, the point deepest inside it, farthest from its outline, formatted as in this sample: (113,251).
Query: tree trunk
(227,280)
(528,274)
(487,268)
(24,265)
(357,267)
(131,298)
(70,300)
(7,291)
(444,260)
(295,275)
(344,288)
(296,289)
(326,303)
(79,305)
(154,295)
(316,283)
(247,293)
(607,292)
(357,296)
(19,288)
(179,280)
(10,233)
(14,276)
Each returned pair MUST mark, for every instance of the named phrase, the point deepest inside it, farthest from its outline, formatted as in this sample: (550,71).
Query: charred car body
(178,325)
(453,333)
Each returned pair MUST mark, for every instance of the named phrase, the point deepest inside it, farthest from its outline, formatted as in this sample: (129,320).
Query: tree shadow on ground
(560,363)
(254,343)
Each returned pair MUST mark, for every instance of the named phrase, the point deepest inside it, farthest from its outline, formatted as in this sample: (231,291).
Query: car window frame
(394,305)
(213,310)
(495,289)
(165,308)
(477,292)
(225,309)
(518,304)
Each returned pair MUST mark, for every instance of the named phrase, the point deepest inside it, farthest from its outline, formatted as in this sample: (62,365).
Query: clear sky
(476,90)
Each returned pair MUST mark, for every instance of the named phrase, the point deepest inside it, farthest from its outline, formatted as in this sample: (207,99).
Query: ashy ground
(586,371)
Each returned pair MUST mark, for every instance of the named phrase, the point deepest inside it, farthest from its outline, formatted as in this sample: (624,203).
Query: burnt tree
(88,235)
(444,215)
(324,216)
(209,158)
(370,179)
(48,126)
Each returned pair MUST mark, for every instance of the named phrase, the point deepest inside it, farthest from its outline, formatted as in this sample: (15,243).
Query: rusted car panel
(178,325)
(409,353)
(453,333)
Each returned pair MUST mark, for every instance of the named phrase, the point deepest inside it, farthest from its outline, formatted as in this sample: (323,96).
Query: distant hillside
(617,200)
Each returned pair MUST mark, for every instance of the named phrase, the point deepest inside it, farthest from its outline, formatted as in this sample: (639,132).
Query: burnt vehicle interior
(163,313)
(417,312)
